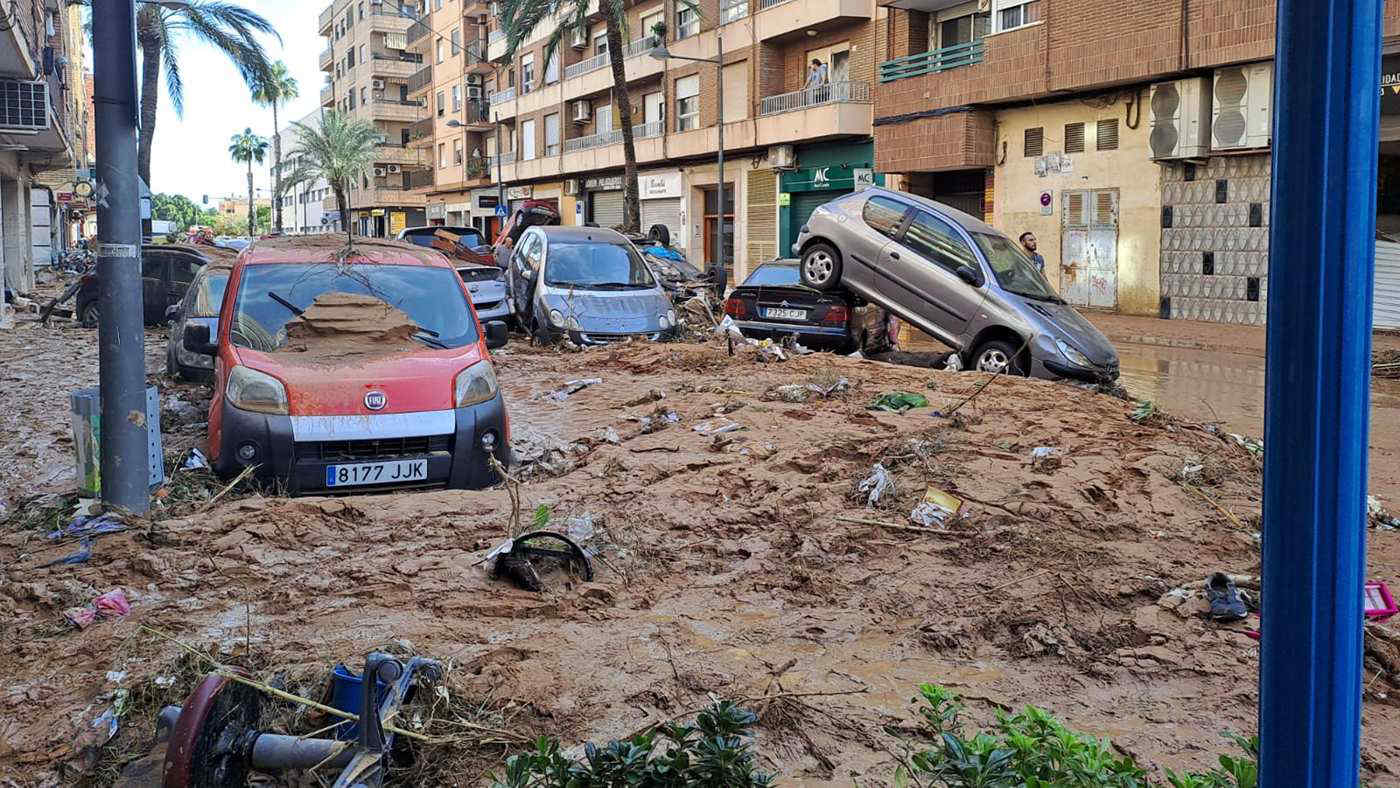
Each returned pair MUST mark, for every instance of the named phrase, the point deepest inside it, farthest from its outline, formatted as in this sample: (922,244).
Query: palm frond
(279,88)
(174,82)
(519,18)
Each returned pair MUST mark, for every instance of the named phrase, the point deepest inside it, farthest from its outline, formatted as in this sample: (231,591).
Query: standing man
(1028,246)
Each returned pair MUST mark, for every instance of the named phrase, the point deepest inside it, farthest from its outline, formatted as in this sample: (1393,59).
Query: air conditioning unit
(582,111)
(379,172)
(578,38)
(393,169)
(24,105)
(571,187)
(473,91)
(782,157)
(1241,111)
(475,79)
(377,84)
(1180,122)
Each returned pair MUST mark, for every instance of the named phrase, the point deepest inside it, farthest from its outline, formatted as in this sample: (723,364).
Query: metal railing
(417,179)
(327,56)
(592,141)
(645,131)
(730,10)
(406,57)
(585,66)
(477,167)
(495,35)
(502,96)
(421,78)
(764,5)
(326,17)
(833,93)
(476,113)
(417,32)
(932,62)
(502,159)
(421,130)
(640,46)
(327,94)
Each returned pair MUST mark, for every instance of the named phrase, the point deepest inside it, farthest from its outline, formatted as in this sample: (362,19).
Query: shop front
(459,214)
(483,211)
(825,172)
(661,194)
(1386,298)
(603,206)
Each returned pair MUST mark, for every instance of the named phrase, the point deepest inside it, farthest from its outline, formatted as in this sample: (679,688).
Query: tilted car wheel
(998,356)
(821,267)
(91,314)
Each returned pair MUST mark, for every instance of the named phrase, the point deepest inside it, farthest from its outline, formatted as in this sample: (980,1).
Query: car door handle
(894,255)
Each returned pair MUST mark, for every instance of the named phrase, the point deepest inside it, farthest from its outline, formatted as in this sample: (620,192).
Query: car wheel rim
(819,267)
(993,360)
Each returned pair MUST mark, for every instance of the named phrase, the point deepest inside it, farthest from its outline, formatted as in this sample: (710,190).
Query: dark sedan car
(166,273)
(773,303)
(200,306)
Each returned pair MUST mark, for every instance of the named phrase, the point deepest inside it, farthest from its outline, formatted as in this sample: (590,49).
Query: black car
(166,273)
(772,303)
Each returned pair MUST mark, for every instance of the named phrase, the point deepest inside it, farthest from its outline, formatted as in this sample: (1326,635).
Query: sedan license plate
(377,473)
(785,314)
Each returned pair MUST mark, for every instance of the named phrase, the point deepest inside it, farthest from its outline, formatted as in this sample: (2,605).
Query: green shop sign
(836,178)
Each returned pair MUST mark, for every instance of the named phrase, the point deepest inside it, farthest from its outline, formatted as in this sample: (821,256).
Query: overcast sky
(190,154)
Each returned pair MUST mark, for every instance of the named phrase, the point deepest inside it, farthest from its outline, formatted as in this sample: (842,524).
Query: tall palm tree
(519,19)
(246,146)
(161,25)
(339,149)
(279,87)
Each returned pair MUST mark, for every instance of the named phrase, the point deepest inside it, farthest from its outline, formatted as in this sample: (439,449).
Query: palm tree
(520,17)
(279,87)
(246,146)
(339,149)
(162,24)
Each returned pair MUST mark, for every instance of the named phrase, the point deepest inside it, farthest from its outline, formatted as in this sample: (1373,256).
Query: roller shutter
(762,214)
(1387,292)
(605,208)
(665,211)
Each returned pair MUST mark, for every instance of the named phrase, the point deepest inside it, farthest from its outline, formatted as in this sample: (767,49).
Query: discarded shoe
(1224,598)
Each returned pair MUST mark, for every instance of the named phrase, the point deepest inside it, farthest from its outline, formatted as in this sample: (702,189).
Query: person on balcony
(818,82)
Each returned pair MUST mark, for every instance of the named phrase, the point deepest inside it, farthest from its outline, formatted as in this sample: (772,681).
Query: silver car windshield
(1014,271)
(596,266)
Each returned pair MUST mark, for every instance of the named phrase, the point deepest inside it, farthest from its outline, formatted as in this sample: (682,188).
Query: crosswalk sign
(501,211)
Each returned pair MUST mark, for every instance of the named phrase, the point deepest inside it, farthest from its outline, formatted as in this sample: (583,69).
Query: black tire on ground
(661,234)
(998,355)
(821,267)
(90,315)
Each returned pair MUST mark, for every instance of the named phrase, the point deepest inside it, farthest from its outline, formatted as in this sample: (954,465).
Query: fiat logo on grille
(376,400)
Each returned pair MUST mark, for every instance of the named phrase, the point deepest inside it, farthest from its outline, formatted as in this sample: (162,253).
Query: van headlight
(1075,357)
(475,384)
(259,392)
(556,317)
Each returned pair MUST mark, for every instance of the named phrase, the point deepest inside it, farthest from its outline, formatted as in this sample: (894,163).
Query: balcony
(502,96)
(502,160)
(421,79)
(395,66)
(392,153)
(640,46)
(328,96)
(585,66)
(780,19)
(421,132)
(496,46)
(477,115)
(932,62)
(418,36)
(475,59)
(326,20)
(327,60)
(579,82)
(639,132)
(402,111)
(836,92)
(391,22)
(604,151)
(422,178)
(364,199)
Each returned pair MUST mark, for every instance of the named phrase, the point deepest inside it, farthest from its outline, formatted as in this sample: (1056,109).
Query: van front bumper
(456,457)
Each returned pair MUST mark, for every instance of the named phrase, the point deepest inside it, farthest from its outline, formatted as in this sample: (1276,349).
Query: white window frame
(551,68)
(600,43)
(687,22)
(999,6)
(688,120)
(600,115)
(733,10)
(551,134)
(457,151)
(527,74)
(527,140)
(456,98)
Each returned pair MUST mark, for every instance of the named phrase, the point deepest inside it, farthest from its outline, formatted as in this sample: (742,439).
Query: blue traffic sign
(501,211)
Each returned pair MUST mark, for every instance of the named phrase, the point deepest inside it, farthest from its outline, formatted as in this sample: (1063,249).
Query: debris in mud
(877,486)
(539,453)
(652,395)
(84,525)
(659,420)
(573,387)
(1385,363)
(516,559)
(898,402)
(346,325)
(1146,412)
(1045,459)
(195,461)
(1378,517)
(954,363)
(609,435)
(936,509)
(112,604)
(717,427)
(80,556)
(801,392)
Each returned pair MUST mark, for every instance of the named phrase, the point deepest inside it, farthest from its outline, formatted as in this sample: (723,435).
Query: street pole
(1317,389)
(121,330)
(719,242)
(500,182)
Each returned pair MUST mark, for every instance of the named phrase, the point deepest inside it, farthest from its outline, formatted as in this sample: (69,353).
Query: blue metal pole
(1317,389)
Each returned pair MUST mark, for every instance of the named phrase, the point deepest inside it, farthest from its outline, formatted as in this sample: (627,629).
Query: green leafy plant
(715,751)
(541,517)
(1145,411)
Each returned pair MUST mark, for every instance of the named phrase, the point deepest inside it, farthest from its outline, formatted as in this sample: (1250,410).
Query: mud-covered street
(734,561)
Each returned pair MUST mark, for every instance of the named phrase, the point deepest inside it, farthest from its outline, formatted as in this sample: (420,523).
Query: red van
(352,373)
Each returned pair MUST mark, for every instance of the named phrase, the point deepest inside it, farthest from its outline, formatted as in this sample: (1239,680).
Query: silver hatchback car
(954,277)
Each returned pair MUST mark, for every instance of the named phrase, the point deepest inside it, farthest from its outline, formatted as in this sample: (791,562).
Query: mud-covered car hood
(622,312)
(1078,331)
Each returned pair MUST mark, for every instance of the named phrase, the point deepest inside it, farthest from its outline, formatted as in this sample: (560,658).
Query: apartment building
(1132,138)
(303,206)
(37,145)
(369,67)
(788,146)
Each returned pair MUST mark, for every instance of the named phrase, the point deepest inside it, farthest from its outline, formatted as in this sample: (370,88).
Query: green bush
(715,751)
(1033,749)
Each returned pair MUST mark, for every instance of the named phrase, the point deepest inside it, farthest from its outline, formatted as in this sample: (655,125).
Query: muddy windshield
(596,266)
(209,294)
(360,302)
(1014,271)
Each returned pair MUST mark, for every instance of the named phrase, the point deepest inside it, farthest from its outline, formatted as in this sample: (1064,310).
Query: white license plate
(394,472)
(785,314)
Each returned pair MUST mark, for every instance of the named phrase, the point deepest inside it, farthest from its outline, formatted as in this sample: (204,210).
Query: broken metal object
(513,559)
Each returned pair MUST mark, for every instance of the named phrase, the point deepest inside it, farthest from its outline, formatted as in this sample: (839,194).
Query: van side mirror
(969,274)
(196,340)
(496,335)
(172,313)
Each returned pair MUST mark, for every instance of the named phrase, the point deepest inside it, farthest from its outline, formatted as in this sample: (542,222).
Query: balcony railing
(731,10)
(475,53)
(326,17)
(421,79)
(326,59)
(477,167)
(502,159)
(502,96)
(932,62)
(645,131)
(496,36)
(417,179)
(327,95)
(834,93)
(476,113)
(406,57)
(421,130)
(764,5)
(417,32)
(640,46)
(586,66)
(641,131)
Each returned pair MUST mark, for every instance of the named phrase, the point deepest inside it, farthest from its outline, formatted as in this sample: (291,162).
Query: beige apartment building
(369,68)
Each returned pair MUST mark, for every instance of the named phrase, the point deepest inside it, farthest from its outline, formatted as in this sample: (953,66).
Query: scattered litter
(195,461)
(716,427)
(81,617)
(1253,445)
(513,558)
(659,420)
(85,525)
(954,363)
(1378,517)
(840,386)
(164,681)
(112,604)
(1145,411)
(1191,469)
(610,436)
(580,527)
(1224,598)
(1380,605)
(936,509)
(1045,458)
(80,556)
(898,402)
(793,392)
(875,486)
(92,738)
(768,350)
(572,387)
(652,395)
(116,676)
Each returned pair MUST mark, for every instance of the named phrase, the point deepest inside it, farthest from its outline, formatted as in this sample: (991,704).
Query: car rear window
(774,276)
(209,294)
(424,236)
(432,298)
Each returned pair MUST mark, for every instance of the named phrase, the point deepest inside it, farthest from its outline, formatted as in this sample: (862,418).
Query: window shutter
(1108,134)
(1075,209)
(1074,138)
(1106,209)
(762,217)
(1035,142)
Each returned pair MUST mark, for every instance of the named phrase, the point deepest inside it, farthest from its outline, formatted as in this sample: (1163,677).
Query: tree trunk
(344,205)
(150,94)
(622,102)
(276,169)
(252,212)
